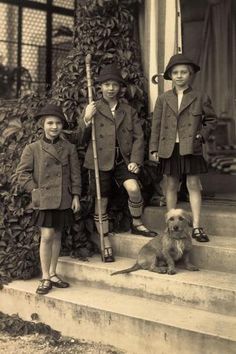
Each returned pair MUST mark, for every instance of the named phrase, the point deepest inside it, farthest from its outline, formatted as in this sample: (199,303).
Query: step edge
(157,276)
(218,317)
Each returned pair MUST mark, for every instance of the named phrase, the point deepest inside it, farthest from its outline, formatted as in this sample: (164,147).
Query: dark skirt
(54,218)
(178,165)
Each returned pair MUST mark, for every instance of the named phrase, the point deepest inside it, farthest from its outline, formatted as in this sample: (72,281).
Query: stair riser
(135,335)
(214,224)
(213,258)
(222,260)
(161,289)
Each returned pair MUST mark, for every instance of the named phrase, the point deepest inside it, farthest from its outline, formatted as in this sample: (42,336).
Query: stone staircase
(144,312)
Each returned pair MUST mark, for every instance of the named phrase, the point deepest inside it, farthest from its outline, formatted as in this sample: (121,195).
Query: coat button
(166,127)
(57,162)
(101,125)
(101,136)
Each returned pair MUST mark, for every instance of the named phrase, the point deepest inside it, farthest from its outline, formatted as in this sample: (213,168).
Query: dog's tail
(135,267)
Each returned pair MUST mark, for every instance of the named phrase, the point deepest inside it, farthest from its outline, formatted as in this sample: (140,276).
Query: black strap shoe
(44,287)
(143,231)
(199,235)
(59,283)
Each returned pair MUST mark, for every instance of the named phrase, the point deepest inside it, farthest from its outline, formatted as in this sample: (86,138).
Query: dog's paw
(192,268)
(162,270)
(171,271)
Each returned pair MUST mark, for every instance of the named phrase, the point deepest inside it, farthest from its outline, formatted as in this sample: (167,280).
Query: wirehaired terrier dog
(160,254)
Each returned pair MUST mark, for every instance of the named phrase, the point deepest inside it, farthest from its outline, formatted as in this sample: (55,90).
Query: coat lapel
(50,149)
(188,98)
(172,101)
(119,116)
(104,109)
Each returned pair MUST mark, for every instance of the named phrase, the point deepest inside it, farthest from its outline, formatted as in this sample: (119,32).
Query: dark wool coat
(195,116)
(51,174)
(124,126)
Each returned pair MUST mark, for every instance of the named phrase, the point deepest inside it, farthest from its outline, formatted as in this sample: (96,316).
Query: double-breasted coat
(195,116)
(51,173)
(123,126)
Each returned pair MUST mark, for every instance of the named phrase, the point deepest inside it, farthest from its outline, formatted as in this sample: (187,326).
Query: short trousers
(120,174)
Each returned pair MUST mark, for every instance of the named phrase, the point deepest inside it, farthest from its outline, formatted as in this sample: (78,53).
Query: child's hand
(75,206)
(90,111)
(154,156)
(133,167)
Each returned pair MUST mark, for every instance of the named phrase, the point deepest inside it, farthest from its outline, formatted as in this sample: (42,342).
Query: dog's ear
(189,218)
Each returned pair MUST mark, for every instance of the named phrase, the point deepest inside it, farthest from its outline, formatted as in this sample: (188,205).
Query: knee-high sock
(135,209)
(105,223)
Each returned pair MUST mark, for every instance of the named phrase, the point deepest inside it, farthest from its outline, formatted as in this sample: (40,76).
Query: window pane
(34,46)
(42,1)
(61,41)
(70,4)
(8,49)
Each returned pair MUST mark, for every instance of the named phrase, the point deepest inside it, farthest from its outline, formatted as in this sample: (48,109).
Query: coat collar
(104,109)
(188,97)
(51,149)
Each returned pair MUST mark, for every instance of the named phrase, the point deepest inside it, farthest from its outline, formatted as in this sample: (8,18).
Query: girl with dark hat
(183,118)
(49,169)
(120,150)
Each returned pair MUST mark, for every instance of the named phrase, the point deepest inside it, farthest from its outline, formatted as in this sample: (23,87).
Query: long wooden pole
(98,190)
(179,28)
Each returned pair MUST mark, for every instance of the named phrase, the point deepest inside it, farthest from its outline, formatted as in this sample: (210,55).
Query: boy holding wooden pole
(120,152)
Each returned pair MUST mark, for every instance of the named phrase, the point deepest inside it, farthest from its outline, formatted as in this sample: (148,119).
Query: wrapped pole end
(88,58)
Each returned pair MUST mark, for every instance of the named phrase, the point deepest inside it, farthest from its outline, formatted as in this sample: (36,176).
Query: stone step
(218,219)
(131,323)
(219,254)
(206,290)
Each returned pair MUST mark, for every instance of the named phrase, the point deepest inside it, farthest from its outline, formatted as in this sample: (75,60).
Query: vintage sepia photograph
(118,176)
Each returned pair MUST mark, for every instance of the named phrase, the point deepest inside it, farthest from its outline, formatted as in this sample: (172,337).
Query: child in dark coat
(120,150)
(49,169)
(183,119)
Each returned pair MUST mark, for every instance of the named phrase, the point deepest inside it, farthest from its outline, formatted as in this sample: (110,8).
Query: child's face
(180,75)
(52,127)
(110,89)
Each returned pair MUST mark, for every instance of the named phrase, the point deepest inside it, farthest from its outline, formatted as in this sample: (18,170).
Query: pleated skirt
(177,165)
(54,218)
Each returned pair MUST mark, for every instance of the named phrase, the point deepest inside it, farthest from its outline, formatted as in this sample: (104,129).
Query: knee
(132,188)
(193,184)
(172,185)
(47,236)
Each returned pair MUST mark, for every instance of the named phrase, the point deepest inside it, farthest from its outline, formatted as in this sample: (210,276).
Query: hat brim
(62,118)
(195,67)
(116,78)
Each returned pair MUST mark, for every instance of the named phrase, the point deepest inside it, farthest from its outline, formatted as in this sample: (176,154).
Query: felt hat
(51,109)
(110,72)
(179,59)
